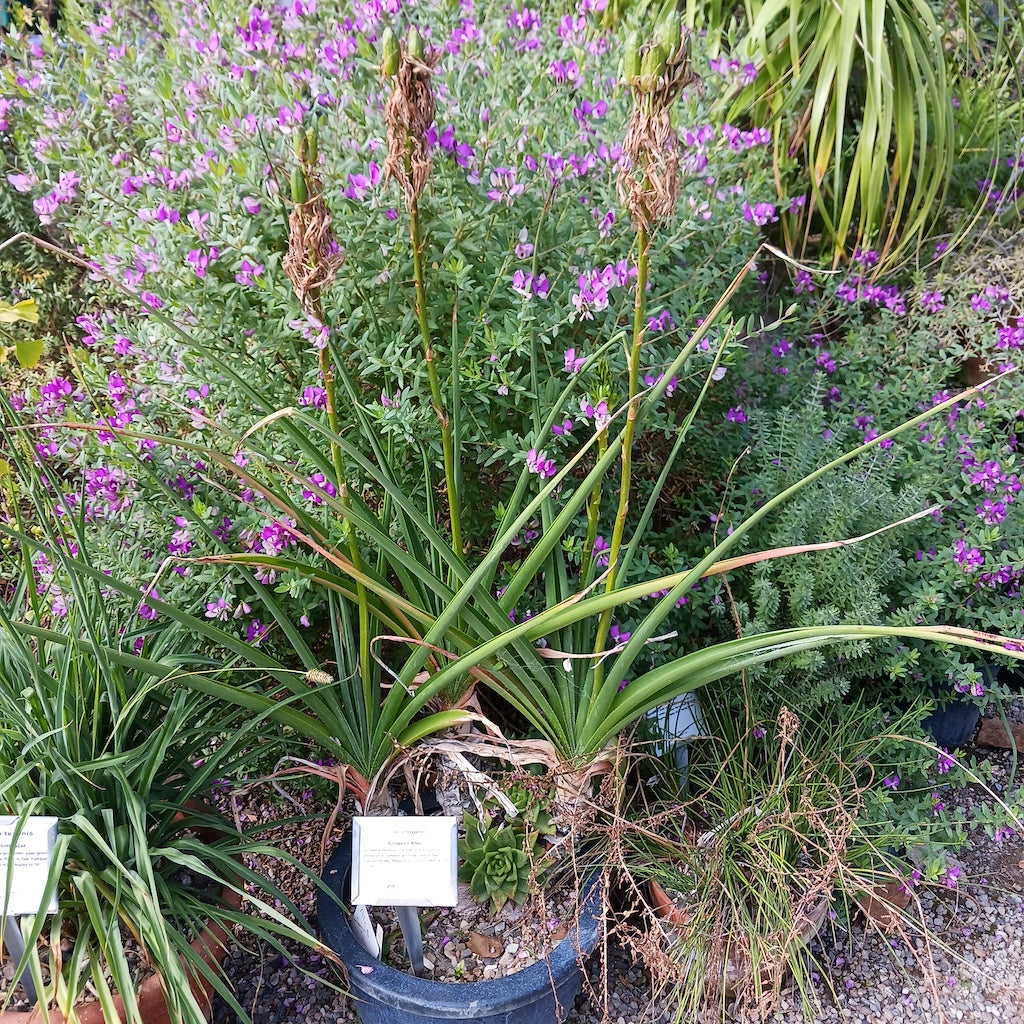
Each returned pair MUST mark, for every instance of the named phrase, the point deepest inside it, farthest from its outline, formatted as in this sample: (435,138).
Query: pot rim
(460,1000)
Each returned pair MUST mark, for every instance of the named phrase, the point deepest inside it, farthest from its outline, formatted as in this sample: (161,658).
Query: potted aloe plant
(434,612)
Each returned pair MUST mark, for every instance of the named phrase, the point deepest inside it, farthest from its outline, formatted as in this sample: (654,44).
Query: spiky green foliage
(861,98)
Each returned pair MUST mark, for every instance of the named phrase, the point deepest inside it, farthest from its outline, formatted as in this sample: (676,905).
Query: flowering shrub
(160,143)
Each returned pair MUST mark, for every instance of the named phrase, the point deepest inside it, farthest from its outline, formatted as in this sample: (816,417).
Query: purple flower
(599,414)
(945,761)
(524,247)
(969,559)
(573,363)
(200,260)
(760,213)
(219,609)
(314,396)
(932,302)
(537,462)
(891,781)
(318,480)
(248,272)
(22,182)
(526,284)
(312,330)
(804,282)
(991,512)
(145,611)
(504,187)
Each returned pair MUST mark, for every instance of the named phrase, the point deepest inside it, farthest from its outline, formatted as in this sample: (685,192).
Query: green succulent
(497,862)
(532,800)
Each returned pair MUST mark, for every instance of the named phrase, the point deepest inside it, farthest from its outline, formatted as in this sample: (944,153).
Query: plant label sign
(405,862)
(25,862)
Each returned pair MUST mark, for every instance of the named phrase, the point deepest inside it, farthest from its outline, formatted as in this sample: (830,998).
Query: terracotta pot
(211,945)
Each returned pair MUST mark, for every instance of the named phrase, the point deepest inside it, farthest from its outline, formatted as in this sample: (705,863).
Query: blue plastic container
(540,994)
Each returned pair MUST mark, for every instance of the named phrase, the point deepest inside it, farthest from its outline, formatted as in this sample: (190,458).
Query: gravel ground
(968,964)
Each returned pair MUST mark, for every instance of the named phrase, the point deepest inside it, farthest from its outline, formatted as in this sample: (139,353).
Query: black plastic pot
(956,717)
(540,994)
(952,723)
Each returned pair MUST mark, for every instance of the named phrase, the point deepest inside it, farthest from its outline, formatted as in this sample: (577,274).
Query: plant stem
(643,241)
(447,446)
(593,516)
(327,374)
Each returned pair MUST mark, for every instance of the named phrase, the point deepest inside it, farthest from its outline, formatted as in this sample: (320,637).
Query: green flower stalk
(409,113)
(649,188)
(312,260)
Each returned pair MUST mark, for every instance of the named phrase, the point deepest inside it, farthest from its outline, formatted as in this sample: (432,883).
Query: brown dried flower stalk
(649,178)
(409,113)
(648,181)
(313,255)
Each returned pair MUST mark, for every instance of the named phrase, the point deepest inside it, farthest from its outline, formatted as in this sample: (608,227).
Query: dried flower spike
(409,114)
(313,255)
(649,179)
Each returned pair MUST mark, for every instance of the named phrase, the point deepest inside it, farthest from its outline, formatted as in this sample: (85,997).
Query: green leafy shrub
(172,180)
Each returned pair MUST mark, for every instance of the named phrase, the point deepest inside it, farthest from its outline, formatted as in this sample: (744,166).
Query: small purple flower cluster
(594,287)
(63,192)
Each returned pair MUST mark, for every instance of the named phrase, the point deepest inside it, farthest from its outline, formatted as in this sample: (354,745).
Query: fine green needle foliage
(769,834)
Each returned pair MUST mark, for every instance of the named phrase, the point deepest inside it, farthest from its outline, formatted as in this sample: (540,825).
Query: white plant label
(405,862)
(26,863)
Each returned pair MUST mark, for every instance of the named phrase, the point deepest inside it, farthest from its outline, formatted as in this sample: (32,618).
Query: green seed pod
(248,80)
(669,34)
(652,67)
(389,52)
(631,59)
(312,146)
(299,193)
(414,44)
(299,145)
